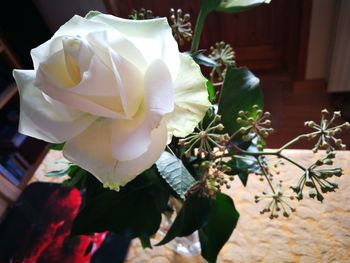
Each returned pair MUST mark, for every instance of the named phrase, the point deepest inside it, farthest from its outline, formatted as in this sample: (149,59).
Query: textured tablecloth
(314,233)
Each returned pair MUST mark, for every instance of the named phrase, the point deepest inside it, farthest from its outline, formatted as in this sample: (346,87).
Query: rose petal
(191,99)
(42,52)
(79,27)
(45,118)
(134,167)
(131,138)
(96,78)
(128,78)
(159,90)
(152,37)
(92,151)
(97,81)
(78,54)
(75,27)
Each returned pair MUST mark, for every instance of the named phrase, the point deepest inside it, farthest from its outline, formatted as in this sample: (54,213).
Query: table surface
(316,232)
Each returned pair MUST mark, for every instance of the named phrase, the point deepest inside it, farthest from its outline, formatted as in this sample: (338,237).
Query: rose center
(71,48)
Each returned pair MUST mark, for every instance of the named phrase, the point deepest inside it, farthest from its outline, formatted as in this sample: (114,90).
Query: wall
(56,13)
(321,36)
(339,78)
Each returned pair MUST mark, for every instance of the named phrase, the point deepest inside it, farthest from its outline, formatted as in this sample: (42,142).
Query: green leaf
(57,173)
(240,91)
(131,212)
(244,165)
(145,242)
(243,176)
(130,215)
(91,14)
(202,59)
(193,215)
(77,177)
(71,170)
(56,147)
(211,91)
(209,117)
(175,173)
(208,6)
(231,6)
(237,6)
(223,220)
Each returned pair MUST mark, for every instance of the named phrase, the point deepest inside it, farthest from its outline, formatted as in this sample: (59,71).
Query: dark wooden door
(265,39)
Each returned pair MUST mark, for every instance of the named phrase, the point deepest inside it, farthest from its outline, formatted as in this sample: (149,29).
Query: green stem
(291,161)
(259,153)
(243,152)
(265,174)
(276,153)
(198,29)
(170,150)
(296,140)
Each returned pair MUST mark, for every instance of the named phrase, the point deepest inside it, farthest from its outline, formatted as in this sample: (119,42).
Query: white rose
(114,90)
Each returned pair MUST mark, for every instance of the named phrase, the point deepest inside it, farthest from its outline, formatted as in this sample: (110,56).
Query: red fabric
(51,241)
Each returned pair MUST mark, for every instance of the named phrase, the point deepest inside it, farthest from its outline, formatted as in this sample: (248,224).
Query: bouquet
(148,135)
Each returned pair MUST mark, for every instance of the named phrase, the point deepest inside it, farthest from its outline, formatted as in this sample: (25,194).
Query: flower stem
(296,140)
(291,161)
(265,174)
(198,29)
(171,151)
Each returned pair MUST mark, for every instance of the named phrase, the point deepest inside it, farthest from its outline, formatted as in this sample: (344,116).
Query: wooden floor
(291,104)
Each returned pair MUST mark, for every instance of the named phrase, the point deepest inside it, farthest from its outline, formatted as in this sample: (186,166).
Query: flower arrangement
(147,134)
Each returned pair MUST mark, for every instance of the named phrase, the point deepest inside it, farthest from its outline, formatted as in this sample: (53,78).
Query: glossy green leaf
(175,173)
(231,6)
(211,91)
(236,6)
(77,177)
(131,215)
(210,5)
(222,221)
(57,173)
(56,146)
(131,212)
(244,165)
(240,91)
(193,215)
(209,117)
(92,14)
(202,59)
(73,169)
(145,242)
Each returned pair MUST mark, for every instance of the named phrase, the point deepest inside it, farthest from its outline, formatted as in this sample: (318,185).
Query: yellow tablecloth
(314,233)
